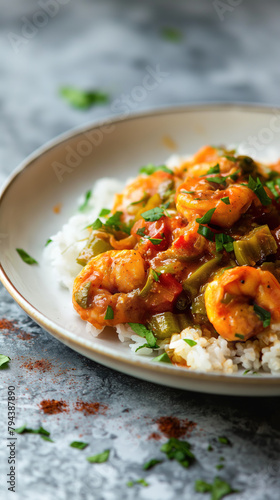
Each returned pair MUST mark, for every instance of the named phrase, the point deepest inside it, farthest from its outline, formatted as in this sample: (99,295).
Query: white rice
(209,353)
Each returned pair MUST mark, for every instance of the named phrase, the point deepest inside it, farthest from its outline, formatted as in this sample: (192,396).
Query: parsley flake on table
(97,224)
(4,361)
(79,445)
(100,458)
(151,169)
(143,332)
(26,257)
(191,342)
(109,313)
(178,450)
(151,463)
(206,219)
(224,440)
(218,489)
(41,431)
(263,314)
(137,481)
(83,99)
(171,34)
(163,358)
(84,205)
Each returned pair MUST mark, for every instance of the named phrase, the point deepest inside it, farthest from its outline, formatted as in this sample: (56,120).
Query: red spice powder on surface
(7,325)
(90,408)
(172,427)
(52,406)
(24,336)
(155,436)
(41,365)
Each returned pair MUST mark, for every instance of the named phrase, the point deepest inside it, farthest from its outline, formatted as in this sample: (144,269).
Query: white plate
(117,149)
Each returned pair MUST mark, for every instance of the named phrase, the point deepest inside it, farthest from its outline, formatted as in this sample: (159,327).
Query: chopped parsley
(97,224)
(206,232)
(191,342)
(246,371)
(142,200)
(217,180)
(225,200)
(48,242)
(219,466)
(218,489)
(271,185)
(163,358)
(153,214)
(263,314)
(258,189)
(104,212)
(206,219)
(41,431)
(223,241)
(155,275)
(171,34)
(100,458)
(178,450)
(83,99)
(4,360)
(213,170)
(239,335)
(151,169)
(155,241)
(151,463)
(137,481)
(143,332)
(84,206)
(78,444)
(186,192)
(231,158)
(141,231)
(26,257)
(109,313)
(235,175)
(224,440)
(210,448)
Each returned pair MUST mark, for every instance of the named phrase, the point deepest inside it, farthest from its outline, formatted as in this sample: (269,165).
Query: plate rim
(72,339)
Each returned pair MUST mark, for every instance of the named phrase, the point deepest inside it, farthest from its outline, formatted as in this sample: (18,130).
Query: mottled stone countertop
(226,53)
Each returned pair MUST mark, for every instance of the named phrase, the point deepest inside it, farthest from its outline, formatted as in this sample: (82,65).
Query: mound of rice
(209,353)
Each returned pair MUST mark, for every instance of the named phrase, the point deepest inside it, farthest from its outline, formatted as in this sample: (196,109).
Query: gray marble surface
(226,54)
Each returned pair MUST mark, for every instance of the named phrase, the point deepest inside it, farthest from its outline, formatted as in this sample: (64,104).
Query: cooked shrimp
(196,196)
(230,300)
(110,279)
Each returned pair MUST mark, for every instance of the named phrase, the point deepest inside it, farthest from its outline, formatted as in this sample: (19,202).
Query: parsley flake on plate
(151,169)
(163,358)
(260,192)
(104,212)
(48,242)
(4,360)
(191,342)
(141,231)
(153,214)
(206,232)
(84,205)
(224,241)
(143,332)
(100,458)
(213,170)
(225,200)
(83,99)
(26,257)
(206,219)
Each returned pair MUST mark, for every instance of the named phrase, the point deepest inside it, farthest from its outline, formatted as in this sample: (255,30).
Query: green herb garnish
(178,450)
(46,438)
(100,458)
(231,158)
(142,200)
(172,34)
(213,170)
(206,232)
(97,224)
(271,185)
(84,206)
(217,180)
(138,481)
(218,489)
(187,192)
(109,313)
(25,257)
(219,466)
(191,342)
(104,212)
(155,275)
(83,99)
(239,335)
(263,314)
(24,429)
(151,463)
(141,231)
(48,242)
(79,445)
(153,214)
(163,358)
(235,175)
(4,360)
(155,241)
(151,169)
(225,200)
(258,189)
(224,440)
(206,219)
(224,241)
(143,332)
(210,448)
